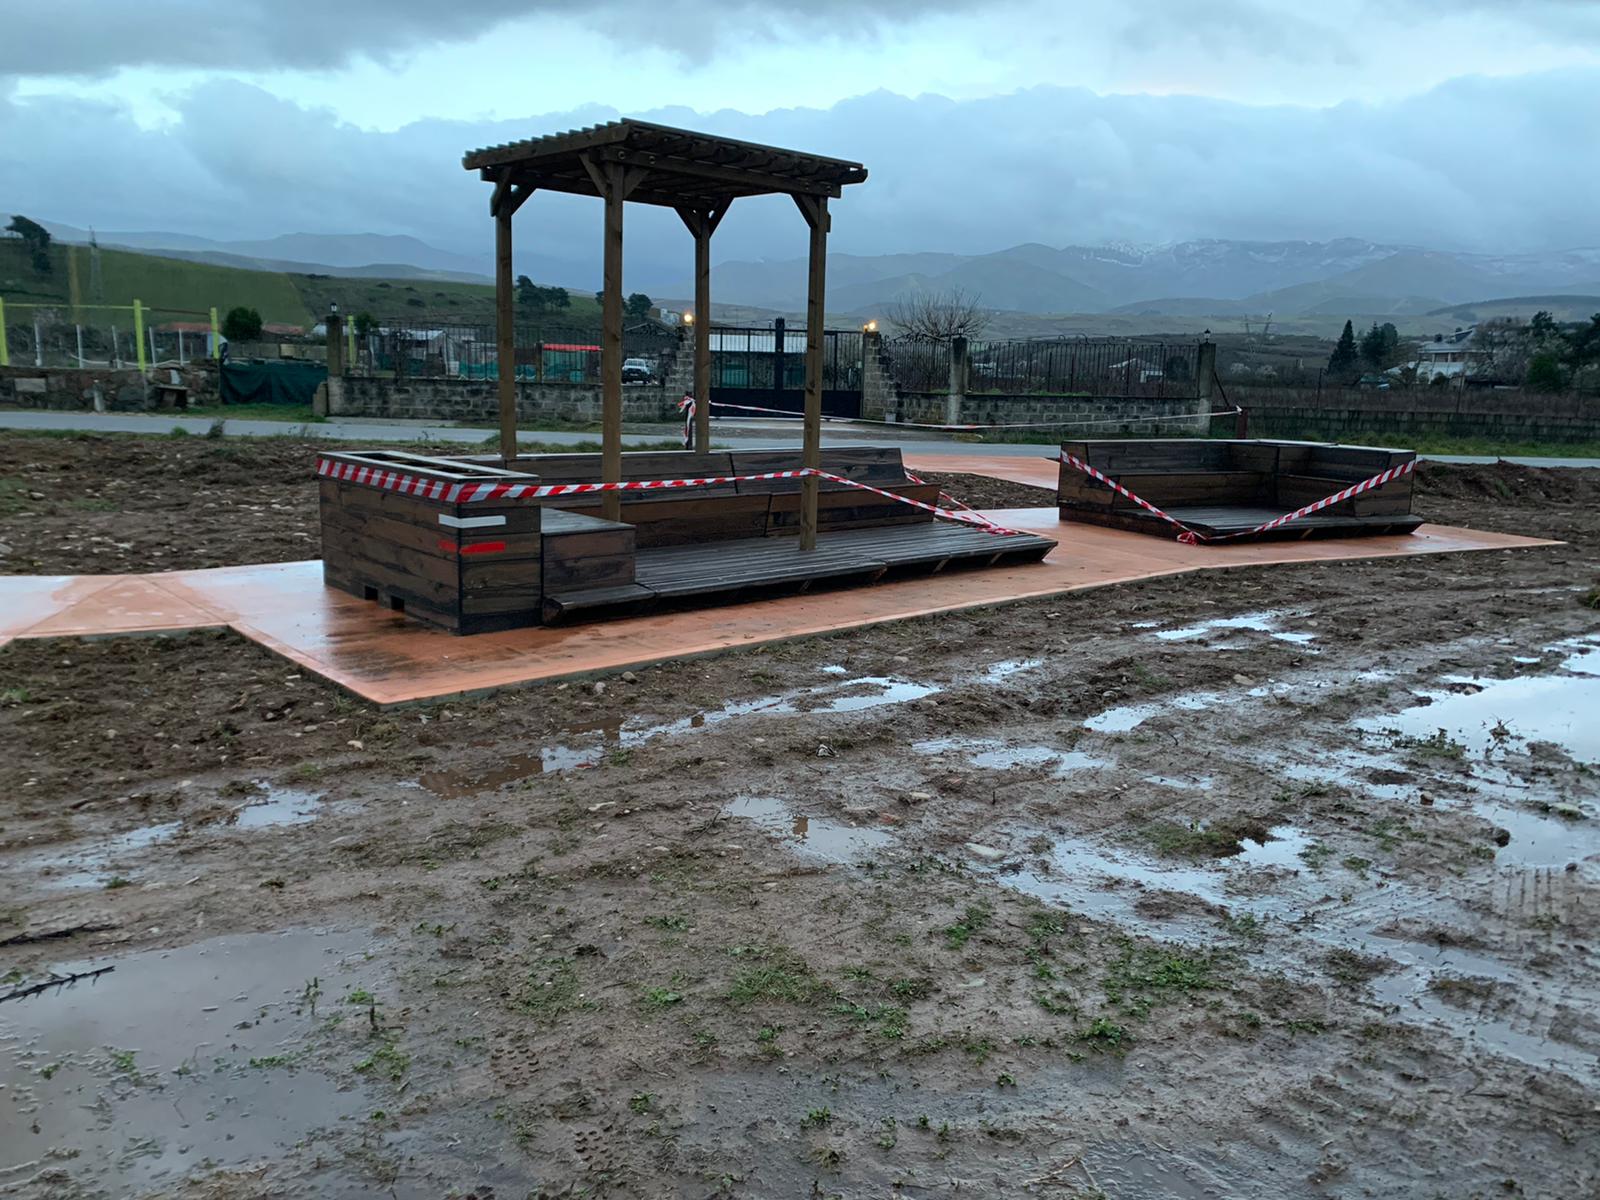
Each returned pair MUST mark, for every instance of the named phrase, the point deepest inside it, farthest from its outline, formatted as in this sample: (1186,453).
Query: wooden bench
(755,508)
(1222,487)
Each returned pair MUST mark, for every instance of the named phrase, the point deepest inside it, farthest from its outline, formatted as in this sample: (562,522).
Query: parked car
(636,370)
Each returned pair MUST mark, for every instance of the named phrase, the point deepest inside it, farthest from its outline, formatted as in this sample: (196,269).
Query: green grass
(1144,976)
(1479,445)
(169,287)
(1217,840)
(426,299)
(779,975)
(958,934)
(174,286)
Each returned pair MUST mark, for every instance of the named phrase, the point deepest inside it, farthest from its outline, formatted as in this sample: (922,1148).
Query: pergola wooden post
(815,211)
(702,223)
(699,176)
(507,198)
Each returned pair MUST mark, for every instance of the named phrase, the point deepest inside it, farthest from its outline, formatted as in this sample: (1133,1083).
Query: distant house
(1448,356)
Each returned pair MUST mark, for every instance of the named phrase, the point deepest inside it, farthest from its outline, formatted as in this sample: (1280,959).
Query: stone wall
(1111,418)
(103,389)
(1349,415)
(478,400)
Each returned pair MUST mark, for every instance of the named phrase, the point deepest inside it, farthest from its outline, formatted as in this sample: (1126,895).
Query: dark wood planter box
(468,568)
(1225,486)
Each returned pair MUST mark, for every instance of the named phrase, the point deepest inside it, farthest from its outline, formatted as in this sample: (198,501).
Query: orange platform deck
(390,660)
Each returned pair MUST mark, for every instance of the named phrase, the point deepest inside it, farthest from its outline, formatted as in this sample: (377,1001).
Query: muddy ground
(1278,882)
(115,505)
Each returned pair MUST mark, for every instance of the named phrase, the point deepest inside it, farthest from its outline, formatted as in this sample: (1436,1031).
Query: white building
(1450,356)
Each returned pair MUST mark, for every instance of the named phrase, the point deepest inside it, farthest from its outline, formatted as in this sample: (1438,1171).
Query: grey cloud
(92,37)
(1478,163)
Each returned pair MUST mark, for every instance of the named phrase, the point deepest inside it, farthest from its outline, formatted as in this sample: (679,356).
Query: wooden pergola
(699,176)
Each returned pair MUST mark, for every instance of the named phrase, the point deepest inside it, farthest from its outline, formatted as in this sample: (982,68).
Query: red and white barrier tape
(687,406)
(1193,537)
(475,493)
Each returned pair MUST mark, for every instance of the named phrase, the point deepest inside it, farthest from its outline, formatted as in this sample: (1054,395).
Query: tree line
(1542,355)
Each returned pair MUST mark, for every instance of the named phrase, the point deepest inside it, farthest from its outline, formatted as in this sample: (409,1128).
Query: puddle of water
(998,758)
(93,865)
(1117,885)
(1001,671)
(854,695)
(1261,622)
(1545,708)
(1109,882)
(1131,716)
(145,1073)
(1280,851)
(879,690)
(1585,662)
(452,785)
(814,837)
(1538,838)
(1199,783)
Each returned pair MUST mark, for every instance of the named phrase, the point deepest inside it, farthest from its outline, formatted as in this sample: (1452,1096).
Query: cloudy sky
(1460,124)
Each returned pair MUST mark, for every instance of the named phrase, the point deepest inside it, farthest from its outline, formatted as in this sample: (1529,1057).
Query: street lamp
(870,327)
(688,318)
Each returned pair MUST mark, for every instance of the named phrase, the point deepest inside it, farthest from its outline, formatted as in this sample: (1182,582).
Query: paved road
(741,435)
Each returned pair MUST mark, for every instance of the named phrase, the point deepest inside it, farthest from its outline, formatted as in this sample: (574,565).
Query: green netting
(271,382)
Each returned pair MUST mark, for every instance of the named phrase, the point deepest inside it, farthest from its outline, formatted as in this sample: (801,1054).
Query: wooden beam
(737,177)
(815,211)
(505,337)
(612,178)
(508,194)
(702,223)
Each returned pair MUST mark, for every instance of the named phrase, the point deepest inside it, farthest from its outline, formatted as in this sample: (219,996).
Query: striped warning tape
(1193,537)
(687,407)
(477,493)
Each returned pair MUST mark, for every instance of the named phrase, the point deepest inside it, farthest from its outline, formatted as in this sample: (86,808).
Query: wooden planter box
(485,565)
(1221,486)
(468,568)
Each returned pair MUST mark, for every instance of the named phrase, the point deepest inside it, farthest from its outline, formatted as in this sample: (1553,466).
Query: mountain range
(1198,278)
(1211,277)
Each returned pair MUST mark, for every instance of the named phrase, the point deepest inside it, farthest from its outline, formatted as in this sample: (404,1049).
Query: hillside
(174,287)
(167,285)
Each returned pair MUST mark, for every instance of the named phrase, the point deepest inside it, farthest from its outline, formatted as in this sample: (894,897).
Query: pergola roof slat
(684,167)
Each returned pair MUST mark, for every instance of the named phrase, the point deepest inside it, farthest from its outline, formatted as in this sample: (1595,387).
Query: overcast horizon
(984,124)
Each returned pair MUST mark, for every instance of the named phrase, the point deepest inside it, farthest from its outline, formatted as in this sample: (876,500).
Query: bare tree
(938,316)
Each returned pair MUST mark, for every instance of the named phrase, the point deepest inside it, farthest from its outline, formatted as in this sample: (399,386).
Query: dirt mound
(1507,481)
(983,491)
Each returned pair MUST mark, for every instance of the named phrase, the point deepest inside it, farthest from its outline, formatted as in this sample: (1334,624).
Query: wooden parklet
(475,567)
(478,567)
(698,175)
(1219,487)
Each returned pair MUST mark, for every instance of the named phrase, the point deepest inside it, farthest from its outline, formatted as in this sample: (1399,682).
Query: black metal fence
(1100,367)
(1083,366)
(550,353)
(918,365)
(774,358)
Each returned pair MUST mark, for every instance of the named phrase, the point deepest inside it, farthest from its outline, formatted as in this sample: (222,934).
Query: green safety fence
(271,382)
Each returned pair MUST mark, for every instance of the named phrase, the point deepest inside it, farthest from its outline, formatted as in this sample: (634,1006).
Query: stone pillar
(335,326)
(880,398)
(1205,377)
(958,381)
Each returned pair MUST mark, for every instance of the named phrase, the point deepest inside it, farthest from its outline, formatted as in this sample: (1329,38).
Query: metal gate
(766,368)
